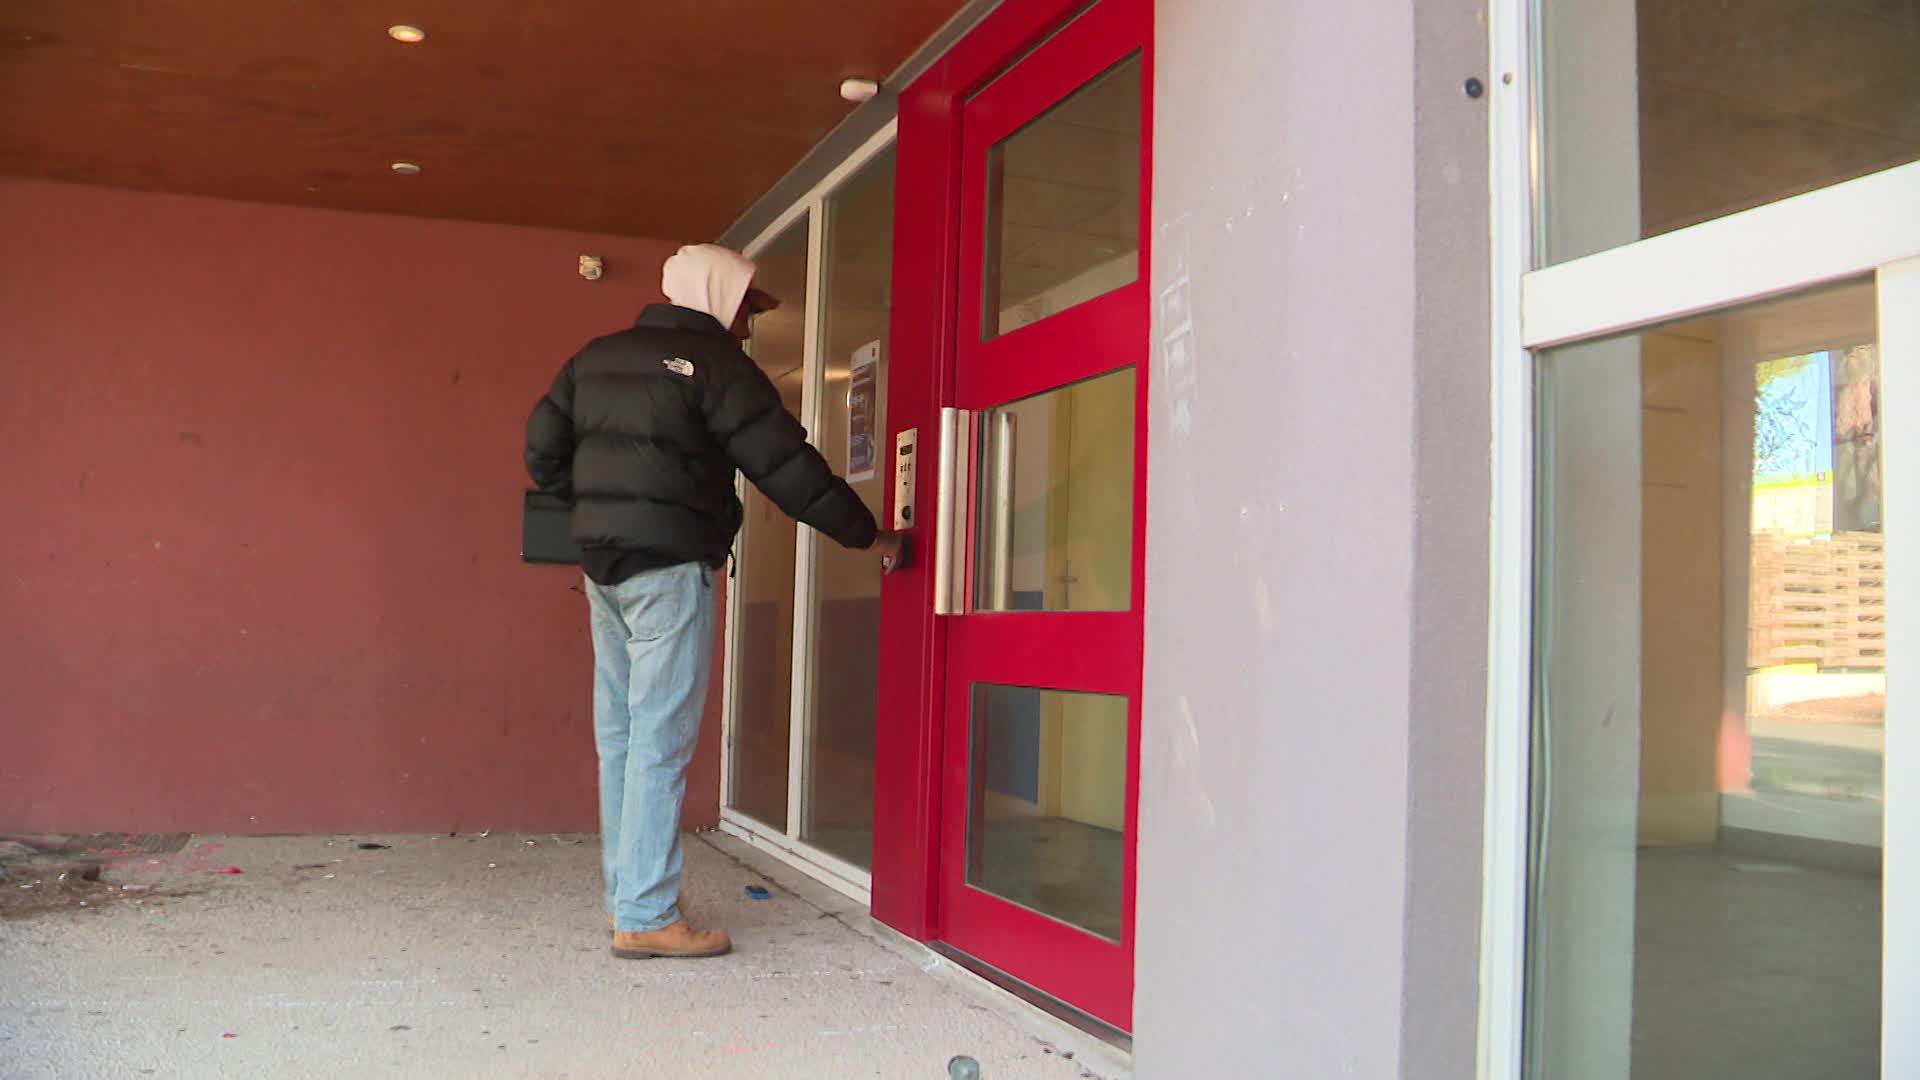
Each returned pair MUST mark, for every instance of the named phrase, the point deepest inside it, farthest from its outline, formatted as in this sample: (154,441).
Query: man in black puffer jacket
(642,432)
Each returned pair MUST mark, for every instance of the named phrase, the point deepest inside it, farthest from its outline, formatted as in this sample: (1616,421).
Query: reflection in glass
(763,630)
(1056,500)
(1063,204)
(1712,699)
(1046,825)
(1816,633)
(1665,113)
(856,276)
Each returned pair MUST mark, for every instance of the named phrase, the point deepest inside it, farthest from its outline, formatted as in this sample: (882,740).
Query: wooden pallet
(1820,601)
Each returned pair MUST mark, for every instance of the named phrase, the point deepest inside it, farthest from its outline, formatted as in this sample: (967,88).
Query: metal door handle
(950,502)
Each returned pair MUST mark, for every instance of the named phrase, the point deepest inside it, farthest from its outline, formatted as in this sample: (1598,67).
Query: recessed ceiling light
(407,168)
(407,35)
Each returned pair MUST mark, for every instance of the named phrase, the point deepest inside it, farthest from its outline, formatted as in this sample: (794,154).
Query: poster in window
(863,404)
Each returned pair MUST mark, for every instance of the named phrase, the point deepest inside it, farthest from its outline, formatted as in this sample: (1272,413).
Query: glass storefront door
(804,620)
(843,627)
(1713,695)
(761,612)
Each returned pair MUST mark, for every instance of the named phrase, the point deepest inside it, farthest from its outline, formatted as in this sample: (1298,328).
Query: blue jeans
(652,651)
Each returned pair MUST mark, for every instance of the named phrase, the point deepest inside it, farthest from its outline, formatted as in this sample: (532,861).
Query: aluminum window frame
(1860,226)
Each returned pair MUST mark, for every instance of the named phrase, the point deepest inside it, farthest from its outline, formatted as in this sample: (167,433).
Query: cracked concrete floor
(476,956)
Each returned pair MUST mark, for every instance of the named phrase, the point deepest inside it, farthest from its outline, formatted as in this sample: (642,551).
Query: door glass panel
(1712,689)
(1659,114)
(1063,204)
(856,277)
(1055,528)
(763,636)
(1046,821)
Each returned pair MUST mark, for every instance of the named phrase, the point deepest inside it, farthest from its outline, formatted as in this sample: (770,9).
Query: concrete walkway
(474,956)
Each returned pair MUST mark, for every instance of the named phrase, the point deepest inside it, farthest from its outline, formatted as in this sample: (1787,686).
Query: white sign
(863,409)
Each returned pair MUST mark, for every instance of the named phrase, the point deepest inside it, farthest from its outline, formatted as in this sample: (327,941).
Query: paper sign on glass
(863,406)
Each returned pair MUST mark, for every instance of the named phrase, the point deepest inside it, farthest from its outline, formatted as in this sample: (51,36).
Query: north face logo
(680,367)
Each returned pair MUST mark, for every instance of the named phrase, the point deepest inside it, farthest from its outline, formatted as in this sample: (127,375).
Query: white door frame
(1866,226)
(1899,299)
(786,844)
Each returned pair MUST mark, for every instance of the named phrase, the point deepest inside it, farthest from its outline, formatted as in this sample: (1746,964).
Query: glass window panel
(1665,113)
(856,279)
(1063,204)
(763,636)
(1046,827)
(1056,500)
(1711,690)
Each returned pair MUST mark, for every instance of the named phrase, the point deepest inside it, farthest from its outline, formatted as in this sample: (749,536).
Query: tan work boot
(680,940)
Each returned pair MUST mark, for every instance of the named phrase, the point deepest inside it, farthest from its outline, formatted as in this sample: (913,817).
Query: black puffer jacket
(642,432)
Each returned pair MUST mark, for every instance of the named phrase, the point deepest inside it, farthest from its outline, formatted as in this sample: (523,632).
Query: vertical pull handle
(950,503)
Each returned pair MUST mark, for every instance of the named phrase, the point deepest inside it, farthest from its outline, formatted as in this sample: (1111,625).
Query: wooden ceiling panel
(660,119)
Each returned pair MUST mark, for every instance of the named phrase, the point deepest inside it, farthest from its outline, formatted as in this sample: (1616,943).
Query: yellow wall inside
(1682,632)
(1083,764)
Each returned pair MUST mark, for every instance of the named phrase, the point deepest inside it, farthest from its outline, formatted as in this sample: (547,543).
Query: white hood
(709,278)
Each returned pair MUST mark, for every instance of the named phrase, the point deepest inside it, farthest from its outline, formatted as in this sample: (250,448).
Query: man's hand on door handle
(893,550)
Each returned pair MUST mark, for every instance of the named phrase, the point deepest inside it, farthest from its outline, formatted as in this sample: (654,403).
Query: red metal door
(1039,706)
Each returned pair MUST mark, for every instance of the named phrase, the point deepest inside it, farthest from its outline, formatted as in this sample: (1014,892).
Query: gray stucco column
(1310,809)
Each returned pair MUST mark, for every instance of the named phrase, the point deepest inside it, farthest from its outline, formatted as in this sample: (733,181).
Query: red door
(1039,578)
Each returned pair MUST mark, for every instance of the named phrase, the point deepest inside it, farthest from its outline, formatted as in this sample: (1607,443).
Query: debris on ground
(76,896)
(369,845)
(757,892)
(49,874)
